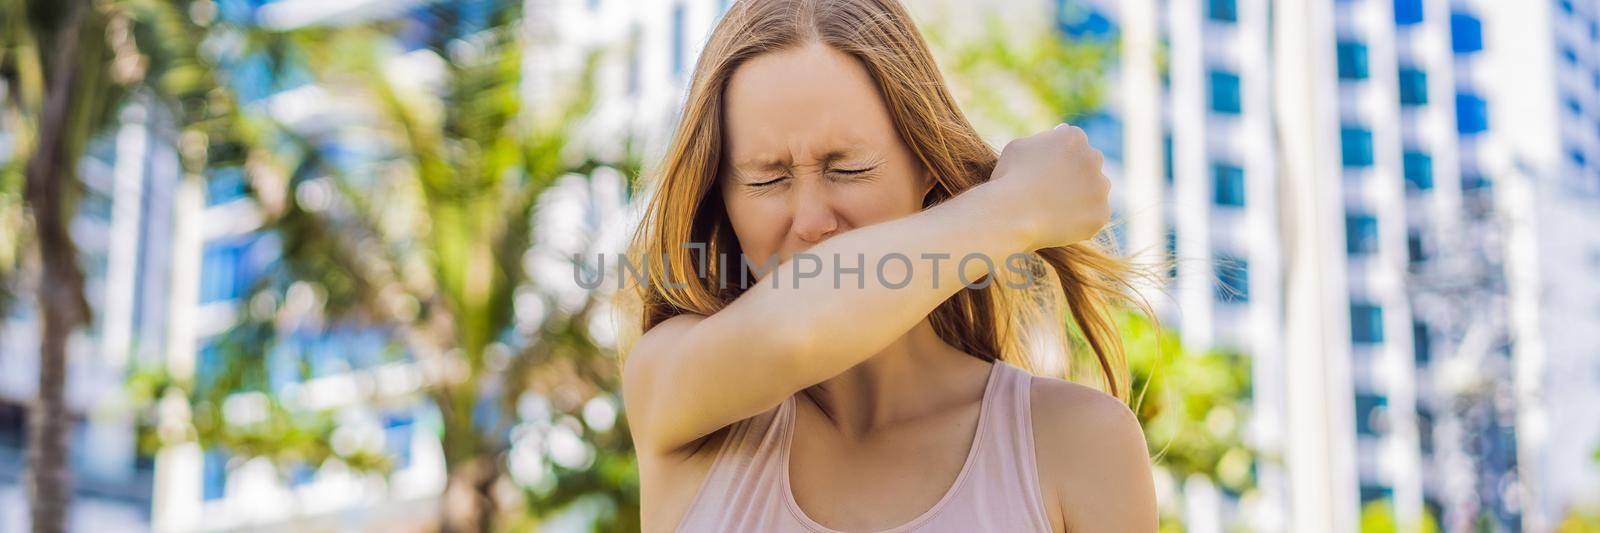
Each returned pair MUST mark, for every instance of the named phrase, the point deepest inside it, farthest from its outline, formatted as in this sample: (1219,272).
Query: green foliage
(288,437)
(1015,83)
(1194,406)
(1580,521)
(1378,517)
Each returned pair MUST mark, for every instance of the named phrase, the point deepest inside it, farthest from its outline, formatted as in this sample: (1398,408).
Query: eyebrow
(779,164)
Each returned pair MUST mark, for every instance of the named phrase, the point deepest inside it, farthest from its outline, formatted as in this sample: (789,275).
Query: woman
(877,394)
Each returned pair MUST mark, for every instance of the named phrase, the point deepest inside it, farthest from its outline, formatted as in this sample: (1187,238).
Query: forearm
(894,274)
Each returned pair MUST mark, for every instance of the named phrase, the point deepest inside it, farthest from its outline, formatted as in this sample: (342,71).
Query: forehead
(802,104)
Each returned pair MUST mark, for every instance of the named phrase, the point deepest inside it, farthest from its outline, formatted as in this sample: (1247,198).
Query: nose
(814,219)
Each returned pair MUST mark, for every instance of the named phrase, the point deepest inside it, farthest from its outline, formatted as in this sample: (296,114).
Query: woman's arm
(690,375)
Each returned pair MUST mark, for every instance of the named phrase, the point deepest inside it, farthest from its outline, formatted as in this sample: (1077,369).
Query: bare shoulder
(1093,465)
(1067,410)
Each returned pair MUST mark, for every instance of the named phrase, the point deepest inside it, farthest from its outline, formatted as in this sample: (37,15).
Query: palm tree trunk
(60,293)
(468,504)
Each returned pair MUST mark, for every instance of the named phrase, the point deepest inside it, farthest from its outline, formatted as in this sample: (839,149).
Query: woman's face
(810,152)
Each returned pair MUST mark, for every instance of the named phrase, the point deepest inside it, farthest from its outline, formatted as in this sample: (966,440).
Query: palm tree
(427,239)
(55,72)
(66,66)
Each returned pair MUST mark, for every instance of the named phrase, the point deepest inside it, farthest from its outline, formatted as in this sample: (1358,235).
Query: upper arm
(640,374)
(688,377)
(1092,458)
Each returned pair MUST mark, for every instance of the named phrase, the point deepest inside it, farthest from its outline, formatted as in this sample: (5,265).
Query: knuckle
(1102,185)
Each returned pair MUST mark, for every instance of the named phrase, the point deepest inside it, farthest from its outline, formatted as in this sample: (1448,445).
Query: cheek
(879,201)
(759,223)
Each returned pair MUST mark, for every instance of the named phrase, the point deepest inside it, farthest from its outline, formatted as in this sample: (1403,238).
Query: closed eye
(853,171)
(772,181)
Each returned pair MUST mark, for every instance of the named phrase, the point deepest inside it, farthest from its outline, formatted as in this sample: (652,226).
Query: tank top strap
(741,483)
(1008,460)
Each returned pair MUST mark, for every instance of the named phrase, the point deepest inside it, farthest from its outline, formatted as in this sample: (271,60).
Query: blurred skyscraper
(1392,206)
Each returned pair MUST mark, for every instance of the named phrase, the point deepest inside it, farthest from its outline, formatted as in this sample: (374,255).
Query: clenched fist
(1054,182)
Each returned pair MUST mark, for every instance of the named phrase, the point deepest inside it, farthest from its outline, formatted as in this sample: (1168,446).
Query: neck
(916,374)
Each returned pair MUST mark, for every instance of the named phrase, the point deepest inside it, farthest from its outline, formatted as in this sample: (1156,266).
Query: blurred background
(306,264)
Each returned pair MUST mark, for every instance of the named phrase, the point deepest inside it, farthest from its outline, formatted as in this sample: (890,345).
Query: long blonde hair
(996,322)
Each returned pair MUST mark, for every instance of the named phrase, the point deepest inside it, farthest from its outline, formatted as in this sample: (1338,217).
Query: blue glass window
(1372,493)
(1223,10)
(1366,323)
(1407,12)
(471,16)
(1578,158)
(214,475)
(678,38)
(1352,60)
(1080,20)
(1466,33)
(225,184)
(1413,86)
(1225,92)
(1421,343)
(1228,181)
(1569,54)
(1361,234)
(1233,279)
(301,474)
(1172,252)
(1105,134)
(222,276)
(1418,170)
(1472,114)
(1415,251)
(1166,151)
(208,362)
(1368,413)
(397,438)
(1355,145)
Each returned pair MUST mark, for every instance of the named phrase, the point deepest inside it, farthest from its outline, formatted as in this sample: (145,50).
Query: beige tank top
(997,489)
